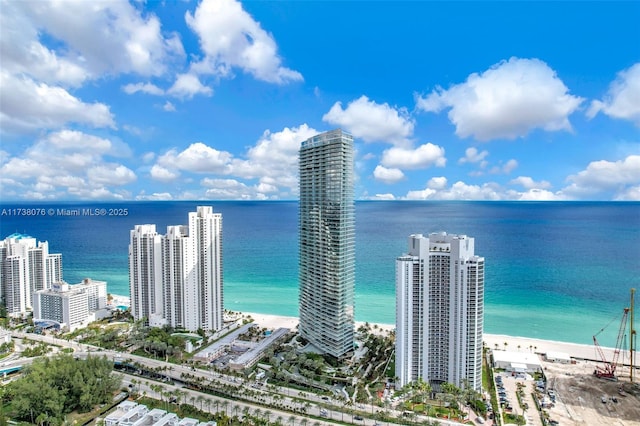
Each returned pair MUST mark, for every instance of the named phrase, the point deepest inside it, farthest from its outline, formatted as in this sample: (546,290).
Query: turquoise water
(558,271)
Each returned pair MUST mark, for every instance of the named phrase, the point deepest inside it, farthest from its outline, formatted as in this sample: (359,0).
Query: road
(263,400)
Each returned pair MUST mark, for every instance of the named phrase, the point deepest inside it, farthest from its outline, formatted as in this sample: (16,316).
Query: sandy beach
(513,343)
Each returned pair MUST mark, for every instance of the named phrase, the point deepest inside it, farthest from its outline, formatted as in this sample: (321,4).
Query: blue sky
(117,100)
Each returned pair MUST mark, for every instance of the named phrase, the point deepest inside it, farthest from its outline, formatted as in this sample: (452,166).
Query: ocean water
(557,271)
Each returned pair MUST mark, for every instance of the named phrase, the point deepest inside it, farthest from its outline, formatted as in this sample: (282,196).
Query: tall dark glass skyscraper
(327,242)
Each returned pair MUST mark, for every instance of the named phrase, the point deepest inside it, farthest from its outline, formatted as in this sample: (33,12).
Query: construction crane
(608,370)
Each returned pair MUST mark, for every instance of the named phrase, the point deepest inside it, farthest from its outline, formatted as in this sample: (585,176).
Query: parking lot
(507,387)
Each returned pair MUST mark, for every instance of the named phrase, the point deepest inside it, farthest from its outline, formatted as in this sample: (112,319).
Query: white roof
(516,358)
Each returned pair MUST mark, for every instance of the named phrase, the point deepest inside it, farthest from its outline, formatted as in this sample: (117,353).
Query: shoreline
(492,341)
(514,343)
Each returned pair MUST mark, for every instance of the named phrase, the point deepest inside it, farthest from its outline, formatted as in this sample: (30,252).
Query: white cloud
(458,191)
(387,196)
(100,193)
(422,157)
(422,194)
(528,183)
(148,88)
(386,175)
(198,158)
(510,166)
(437,182)
(506,168)
(126,41)
(472,155)
(629,194)
(148,157)
(156,196)
(187,86)
(22,52)
(222,183)
(73,140)
(230,189)
(623,97)
(274,158)
(111,174)
(272,162)
(618,177)
(67,164)
(162,174)
(28,106)
(371,121)
(231,38)
(169,107)
(509,100)
(536,194)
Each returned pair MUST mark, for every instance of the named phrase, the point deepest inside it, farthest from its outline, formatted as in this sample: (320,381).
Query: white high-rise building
(26,266)
(177,261)
(327,242)
(145,273)
(203,295)
(181,282)
(440,311)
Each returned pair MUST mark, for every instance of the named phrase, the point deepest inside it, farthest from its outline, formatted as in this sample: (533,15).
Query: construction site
(591,385)
(581,398)
(601,392)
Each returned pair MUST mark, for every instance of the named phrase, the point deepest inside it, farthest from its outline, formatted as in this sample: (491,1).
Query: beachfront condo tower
(176,279)
(327,242)
(203,304)
(439,311)
(26,266)
(145,273)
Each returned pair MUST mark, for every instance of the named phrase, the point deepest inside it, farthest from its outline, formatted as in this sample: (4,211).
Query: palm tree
(200,399)
(258,413)
(505,345)
(422,387)
(225,405)
(179,395)
(245,413)
(292,420)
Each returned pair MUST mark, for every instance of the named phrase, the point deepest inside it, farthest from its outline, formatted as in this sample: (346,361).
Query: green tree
(53,387)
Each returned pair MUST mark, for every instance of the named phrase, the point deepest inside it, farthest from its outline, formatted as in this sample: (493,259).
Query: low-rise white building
(254,354)
(519,362)
(129,413)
